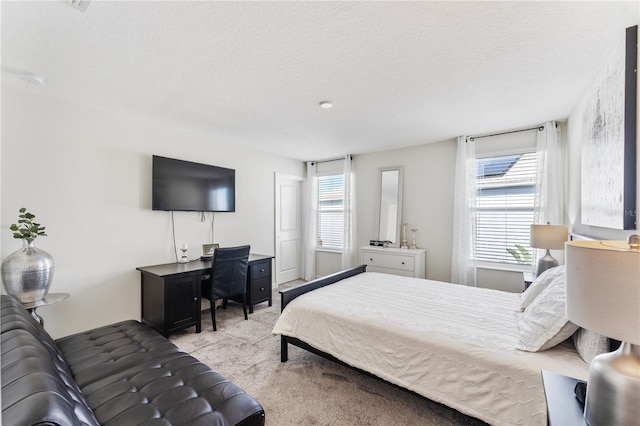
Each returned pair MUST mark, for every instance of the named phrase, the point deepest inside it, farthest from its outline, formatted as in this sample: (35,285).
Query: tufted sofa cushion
(121,374)
(37,385)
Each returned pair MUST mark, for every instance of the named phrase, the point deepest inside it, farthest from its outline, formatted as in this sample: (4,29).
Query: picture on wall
(609,141)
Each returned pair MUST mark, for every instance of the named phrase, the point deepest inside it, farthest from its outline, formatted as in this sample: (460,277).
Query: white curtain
(348,246)
(310,212)
(463,261)
(549,201)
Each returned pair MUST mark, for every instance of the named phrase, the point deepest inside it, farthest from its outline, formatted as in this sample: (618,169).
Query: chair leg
(213,314)
(244,306)
(224,303)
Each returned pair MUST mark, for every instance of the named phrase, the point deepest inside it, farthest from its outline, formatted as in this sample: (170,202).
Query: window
(330,211)
(504,208)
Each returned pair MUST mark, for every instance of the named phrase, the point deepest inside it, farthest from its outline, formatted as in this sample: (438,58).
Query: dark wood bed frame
(289,294)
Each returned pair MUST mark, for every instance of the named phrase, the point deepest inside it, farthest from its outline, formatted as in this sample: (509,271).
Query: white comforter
(450,343)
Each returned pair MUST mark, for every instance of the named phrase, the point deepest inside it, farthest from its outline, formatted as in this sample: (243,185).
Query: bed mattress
(450,343)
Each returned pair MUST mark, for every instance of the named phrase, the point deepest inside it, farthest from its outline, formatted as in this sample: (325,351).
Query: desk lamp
(603,295)
(549,237)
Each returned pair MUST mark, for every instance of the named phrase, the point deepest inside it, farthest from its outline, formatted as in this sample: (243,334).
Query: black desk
(171,292)
(563,409)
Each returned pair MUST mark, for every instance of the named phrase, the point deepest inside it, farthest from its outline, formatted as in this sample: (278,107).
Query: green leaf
(29,215)
(13,227)
(23,209)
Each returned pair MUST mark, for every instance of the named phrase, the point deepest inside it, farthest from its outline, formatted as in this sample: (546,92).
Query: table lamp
(549,237)
(603,295)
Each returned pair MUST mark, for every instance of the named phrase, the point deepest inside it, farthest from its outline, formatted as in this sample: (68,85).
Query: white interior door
(288,227)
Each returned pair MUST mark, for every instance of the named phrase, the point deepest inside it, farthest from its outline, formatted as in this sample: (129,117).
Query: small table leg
(37,317)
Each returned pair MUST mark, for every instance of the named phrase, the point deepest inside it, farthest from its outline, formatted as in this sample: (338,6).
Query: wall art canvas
(608,143)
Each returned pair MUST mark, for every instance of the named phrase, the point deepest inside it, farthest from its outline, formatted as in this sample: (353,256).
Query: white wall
(86,174)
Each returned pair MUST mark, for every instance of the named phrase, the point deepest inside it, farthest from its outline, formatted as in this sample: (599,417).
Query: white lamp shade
(548,236)
(603,288)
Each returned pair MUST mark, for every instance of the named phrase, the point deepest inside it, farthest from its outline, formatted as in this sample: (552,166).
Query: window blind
(331,211)
(505,192)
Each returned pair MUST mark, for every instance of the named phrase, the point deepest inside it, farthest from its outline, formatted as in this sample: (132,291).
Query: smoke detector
(80,5)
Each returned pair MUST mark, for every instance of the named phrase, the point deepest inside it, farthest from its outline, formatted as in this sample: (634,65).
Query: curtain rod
(541,127)
(330,159)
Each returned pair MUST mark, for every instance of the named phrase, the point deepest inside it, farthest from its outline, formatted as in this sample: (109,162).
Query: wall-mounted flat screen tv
(185,186)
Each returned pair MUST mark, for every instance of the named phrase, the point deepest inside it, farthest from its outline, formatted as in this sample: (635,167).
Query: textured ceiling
(398,73)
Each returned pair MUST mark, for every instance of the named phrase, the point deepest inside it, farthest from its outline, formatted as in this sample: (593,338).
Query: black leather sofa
(120,374)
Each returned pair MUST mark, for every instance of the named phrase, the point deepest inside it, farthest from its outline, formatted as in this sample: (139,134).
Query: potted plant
(28,272)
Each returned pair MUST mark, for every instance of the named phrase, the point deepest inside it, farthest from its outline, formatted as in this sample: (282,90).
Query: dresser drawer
(401,272)
(392,261)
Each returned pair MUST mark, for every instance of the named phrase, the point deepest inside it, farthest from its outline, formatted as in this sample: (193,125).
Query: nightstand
(527,277)
(563,409)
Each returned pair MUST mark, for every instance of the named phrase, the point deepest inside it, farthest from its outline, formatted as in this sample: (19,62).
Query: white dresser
(397,261)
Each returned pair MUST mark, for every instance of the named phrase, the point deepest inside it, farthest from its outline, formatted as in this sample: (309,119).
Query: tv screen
(185,186)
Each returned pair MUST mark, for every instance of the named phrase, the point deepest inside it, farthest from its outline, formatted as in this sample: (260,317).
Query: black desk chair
(228,278)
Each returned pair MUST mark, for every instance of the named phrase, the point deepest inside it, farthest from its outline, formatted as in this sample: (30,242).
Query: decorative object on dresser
(397,261)
(404,236)
(603,295)
(413,238)
(548,237)
(28,272)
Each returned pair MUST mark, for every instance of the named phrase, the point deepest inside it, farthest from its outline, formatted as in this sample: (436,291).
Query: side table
(49,299)
(563,409)
(527,277)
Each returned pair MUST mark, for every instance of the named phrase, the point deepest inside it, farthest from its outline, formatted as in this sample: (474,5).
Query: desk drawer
(260,290)
(382,260)
(260,269)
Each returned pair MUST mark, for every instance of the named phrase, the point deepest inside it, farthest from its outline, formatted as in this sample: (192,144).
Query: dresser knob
(261,288)
(262,270)
(195,299)
(371,260)
(403,263)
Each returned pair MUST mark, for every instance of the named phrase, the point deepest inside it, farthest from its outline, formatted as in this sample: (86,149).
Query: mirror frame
(399,200)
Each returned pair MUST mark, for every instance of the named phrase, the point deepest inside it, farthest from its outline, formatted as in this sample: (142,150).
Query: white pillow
(539,284)
(590,344)
(544,324)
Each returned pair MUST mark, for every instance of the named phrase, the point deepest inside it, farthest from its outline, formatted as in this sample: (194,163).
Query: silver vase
(27,273)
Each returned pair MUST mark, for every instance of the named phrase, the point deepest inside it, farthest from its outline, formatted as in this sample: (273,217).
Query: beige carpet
(307,389)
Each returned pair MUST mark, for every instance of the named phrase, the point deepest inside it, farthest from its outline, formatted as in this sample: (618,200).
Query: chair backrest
(229,272)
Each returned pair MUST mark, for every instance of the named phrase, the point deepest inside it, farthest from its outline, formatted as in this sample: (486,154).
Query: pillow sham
(544,324)
(539,284)
(590,344)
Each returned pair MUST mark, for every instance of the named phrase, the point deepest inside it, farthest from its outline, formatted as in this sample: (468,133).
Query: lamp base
(546,262)
(613,389)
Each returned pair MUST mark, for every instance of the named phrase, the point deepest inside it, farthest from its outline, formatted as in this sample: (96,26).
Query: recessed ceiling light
(325,104)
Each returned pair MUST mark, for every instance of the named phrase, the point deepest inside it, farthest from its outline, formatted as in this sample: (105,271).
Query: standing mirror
(389,212)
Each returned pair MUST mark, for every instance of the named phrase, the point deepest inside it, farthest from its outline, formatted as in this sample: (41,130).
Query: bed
(452,344)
